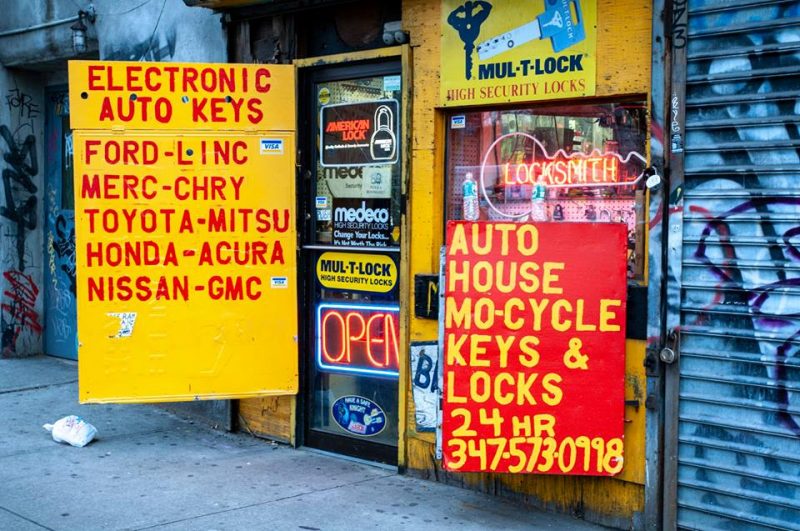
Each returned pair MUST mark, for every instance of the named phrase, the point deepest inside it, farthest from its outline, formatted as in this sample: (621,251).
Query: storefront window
(557,163)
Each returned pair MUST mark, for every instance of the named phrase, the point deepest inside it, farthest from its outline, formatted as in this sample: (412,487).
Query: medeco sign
(362,214)
(362,222)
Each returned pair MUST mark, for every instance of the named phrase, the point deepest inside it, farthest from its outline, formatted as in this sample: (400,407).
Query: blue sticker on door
(358,415)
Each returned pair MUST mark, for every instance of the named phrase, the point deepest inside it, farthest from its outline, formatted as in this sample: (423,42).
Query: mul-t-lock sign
(185,230)
(501,51)
(534,347)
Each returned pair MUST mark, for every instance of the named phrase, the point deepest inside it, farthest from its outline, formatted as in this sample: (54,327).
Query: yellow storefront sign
(503,51)
(181,96)
(186,266)
(357,272)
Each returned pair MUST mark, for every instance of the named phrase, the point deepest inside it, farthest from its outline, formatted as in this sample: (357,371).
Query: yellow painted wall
(623,69)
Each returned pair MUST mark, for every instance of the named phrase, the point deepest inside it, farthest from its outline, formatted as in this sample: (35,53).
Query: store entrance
(61,318)
(350,190)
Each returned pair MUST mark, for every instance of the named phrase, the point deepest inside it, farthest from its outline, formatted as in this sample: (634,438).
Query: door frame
(670,20)
(396,59)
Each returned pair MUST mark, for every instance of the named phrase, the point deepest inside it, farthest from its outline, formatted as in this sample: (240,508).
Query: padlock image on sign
(383,143)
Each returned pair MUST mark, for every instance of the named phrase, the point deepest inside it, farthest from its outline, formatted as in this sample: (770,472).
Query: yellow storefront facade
(412,117)
(623,58)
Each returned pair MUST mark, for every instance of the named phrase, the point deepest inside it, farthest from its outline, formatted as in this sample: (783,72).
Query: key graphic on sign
(556,23)
(467,20)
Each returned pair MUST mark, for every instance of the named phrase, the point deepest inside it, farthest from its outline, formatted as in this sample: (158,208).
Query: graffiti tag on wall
(19,216)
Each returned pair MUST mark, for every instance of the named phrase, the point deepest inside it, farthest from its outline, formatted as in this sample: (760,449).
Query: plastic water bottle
(471,207)
(539,201)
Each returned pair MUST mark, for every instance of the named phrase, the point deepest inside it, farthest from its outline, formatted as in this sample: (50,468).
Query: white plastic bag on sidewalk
(72,430)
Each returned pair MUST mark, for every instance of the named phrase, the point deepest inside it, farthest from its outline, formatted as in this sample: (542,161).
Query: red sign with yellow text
(534,348)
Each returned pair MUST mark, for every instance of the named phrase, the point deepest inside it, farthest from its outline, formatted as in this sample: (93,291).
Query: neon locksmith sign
(559,170)
(562,169)
(583,170)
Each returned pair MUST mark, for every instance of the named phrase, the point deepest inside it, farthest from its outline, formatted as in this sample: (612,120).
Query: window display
(557,163)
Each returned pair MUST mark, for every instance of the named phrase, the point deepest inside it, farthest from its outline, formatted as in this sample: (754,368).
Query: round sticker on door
(324,95)
(358,415)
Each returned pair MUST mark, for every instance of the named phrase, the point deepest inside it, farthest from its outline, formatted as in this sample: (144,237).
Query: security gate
(735,279)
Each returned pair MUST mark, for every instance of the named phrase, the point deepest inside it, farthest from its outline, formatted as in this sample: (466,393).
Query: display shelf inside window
(590,158)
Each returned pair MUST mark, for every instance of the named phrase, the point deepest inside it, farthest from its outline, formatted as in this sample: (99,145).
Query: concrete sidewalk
(150,469)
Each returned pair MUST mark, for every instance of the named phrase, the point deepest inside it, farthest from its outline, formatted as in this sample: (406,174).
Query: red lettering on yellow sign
(135,78)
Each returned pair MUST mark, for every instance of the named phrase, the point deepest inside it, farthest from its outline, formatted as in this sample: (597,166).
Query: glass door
(351,252)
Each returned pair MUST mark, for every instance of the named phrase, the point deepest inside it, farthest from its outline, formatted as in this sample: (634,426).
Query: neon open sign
(358,339)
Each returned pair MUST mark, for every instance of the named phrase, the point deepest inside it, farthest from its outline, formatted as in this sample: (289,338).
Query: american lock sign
(184,199)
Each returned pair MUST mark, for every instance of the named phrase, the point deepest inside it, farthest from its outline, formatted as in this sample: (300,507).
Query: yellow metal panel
(599,499)
(623,47)
(635,389)
(421,20)
(181,96)
(186,266)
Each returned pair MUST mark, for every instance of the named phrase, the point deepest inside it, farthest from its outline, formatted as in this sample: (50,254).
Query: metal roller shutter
(739,407)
